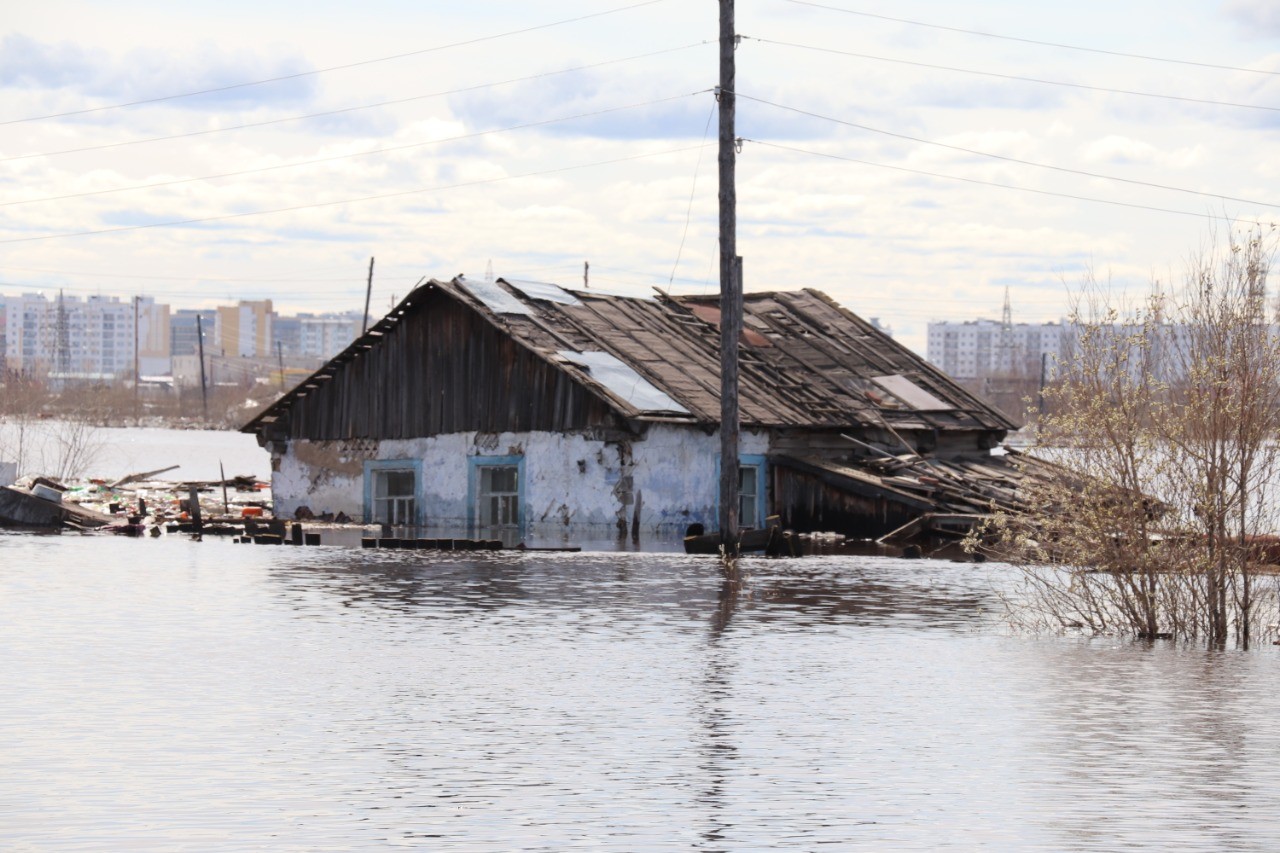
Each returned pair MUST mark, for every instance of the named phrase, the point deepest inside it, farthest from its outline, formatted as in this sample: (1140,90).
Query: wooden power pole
(280,361)
(204,385)
(137,370)
(368,292)
(730,287)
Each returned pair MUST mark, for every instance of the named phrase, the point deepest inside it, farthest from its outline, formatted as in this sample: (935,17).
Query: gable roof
(804,360)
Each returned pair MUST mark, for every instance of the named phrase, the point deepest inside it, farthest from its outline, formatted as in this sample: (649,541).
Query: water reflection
(167,693)
(803,592)
(718,752)
(1168,752)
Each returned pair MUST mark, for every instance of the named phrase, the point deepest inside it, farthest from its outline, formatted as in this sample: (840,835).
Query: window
(752,490)
(499,496)
(748,494)
(393,497)
(496,489)
(392,490)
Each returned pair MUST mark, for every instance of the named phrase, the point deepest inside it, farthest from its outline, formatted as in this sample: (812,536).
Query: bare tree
(1166,417)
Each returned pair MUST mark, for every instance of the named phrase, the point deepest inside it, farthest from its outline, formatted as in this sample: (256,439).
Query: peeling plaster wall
(576,488)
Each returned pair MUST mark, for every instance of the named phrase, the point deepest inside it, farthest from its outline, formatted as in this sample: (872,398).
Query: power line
(228,216)
(1086,87)
(286,119)
(1036,42)
(358,64)
(688,214)
(386,150)
(1132,205)
(1008,159)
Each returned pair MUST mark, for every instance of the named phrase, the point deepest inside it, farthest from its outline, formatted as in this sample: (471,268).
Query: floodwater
(167,694)
(115,452)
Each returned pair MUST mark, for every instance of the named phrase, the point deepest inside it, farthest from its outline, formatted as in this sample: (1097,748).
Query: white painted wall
(575,489)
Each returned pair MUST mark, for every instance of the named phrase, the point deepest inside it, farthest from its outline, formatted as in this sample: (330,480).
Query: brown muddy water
(162,695)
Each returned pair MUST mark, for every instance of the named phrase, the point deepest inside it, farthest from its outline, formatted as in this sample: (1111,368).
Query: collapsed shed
(529,412)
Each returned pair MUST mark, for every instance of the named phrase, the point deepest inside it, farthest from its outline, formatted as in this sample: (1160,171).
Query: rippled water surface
(175,695)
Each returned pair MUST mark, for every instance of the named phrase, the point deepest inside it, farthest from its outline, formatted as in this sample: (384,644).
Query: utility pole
(280,361)
(204,386)
(368,291)
(730,287)
(137,372)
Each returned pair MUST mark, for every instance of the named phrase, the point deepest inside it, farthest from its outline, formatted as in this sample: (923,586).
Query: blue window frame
(393,492)
(496,494)
(753,489)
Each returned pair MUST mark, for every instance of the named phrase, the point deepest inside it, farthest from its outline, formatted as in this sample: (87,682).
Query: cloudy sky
(895,157)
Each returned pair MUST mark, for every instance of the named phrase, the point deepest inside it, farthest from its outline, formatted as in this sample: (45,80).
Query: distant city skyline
(109,337)
(880,147)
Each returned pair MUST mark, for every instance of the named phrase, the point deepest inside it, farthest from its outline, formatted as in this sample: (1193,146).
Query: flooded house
(534,413)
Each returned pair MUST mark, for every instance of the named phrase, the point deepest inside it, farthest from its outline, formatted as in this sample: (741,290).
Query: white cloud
(1124,150)
(901,246)
(1261,18)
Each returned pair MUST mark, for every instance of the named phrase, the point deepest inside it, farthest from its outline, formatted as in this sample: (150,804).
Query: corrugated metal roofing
(494,297)
(623,382)
(544,291)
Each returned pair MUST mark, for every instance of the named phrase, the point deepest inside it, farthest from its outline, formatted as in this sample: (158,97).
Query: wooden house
(534,413)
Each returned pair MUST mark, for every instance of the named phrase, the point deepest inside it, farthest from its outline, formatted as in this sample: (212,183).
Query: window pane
(393,483)
(497,501)
(399,483)
(502,479)
(748,493)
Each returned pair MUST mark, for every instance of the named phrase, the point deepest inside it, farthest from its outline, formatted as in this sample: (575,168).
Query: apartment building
(979,349)
(97,338)
(245,329)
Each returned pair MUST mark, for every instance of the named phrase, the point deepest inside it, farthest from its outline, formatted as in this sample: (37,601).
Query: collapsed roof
(805,362)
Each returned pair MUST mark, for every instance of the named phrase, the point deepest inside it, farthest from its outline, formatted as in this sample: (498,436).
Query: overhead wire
(700,148)
(285,119)
(342,67)
(335,202)
(1006,158)
(369,153)
(1060,45)
(1132,205)
(693,190)
(1018,77)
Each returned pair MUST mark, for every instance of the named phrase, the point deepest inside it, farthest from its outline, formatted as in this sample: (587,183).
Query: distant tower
(62,339)
(488,271)
(1006,334)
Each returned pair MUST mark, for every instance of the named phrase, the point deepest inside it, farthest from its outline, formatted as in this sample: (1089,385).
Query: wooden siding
(806,502)
(439,368)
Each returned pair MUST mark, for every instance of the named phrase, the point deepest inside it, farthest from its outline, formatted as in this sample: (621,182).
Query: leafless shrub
(1167,416)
